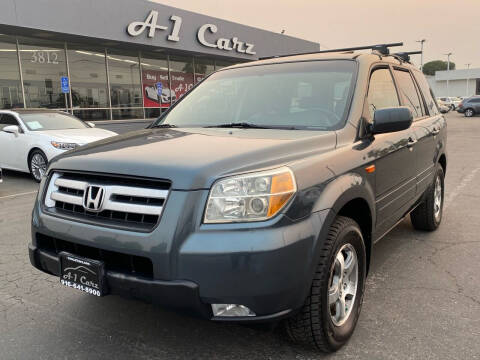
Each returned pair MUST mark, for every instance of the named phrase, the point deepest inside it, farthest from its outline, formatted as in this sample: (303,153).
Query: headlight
(251,197)
(64,146)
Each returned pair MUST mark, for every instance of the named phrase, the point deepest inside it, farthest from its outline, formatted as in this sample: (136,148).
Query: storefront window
(88,79)
(10,87)
(155,71)
(223,63)
(203,68)
(127,113)
(124,74)
(181,73)
(43,65)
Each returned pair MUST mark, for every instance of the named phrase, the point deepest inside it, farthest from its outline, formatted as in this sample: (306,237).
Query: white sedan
(29,139)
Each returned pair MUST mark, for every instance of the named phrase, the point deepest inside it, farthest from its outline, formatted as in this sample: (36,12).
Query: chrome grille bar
(120,202)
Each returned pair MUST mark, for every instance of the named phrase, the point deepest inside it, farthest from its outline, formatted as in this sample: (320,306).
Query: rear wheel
(469,112)
(331,310)
(37,164)
(428,215)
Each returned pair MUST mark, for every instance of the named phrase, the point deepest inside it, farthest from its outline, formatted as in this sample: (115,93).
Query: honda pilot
(257,197)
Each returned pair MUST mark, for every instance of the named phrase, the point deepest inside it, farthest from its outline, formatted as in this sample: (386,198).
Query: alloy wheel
(437,199)
(38,165)
(343,284)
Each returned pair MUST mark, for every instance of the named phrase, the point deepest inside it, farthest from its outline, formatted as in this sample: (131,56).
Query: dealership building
(118,59)
(462,82)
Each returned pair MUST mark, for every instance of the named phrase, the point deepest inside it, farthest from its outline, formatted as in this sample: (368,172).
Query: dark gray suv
(257,197)
(470,106)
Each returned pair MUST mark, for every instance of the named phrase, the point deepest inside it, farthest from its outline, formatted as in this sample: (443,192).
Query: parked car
(451,101)
(470,107)
(253,206)
(1,176)
(29,139)
(443,107)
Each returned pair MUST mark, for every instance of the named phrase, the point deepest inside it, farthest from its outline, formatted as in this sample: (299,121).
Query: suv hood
(194,158)
(77,136)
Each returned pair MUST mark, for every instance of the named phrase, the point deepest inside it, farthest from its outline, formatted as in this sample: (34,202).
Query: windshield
(313,95)
(51,121)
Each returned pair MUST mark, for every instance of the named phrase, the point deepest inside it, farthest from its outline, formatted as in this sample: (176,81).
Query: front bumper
(266,266)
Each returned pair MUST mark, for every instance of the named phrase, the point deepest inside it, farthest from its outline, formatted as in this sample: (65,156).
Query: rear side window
(7,120)
(409,93)
(427,93)
(474,101)
(381,91)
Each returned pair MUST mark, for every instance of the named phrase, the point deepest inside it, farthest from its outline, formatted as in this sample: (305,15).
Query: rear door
(475,104)
(434,123)
(395,166)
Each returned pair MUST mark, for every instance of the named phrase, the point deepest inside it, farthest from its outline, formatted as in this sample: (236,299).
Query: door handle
(435,131)
(411,142)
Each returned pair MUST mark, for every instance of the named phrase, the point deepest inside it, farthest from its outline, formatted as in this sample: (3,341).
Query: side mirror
(391,119)
(12,129)
(91,124)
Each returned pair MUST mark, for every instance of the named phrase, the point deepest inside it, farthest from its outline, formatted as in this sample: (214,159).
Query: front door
(393,154)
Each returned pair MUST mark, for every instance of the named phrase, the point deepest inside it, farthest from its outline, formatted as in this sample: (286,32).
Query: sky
(448,26)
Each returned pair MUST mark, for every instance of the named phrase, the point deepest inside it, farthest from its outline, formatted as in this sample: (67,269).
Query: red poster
(181,83)
(150,93)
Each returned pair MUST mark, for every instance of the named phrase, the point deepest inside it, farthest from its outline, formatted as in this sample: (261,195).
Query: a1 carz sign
(235,44)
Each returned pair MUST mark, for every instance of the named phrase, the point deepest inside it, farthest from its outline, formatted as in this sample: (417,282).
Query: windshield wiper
(168,126)
(243,125)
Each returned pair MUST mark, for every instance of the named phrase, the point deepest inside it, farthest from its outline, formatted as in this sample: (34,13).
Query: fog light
(231,310)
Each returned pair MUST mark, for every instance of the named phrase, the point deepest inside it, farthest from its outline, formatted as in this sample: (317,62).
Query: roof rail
(405,55)
(381,48)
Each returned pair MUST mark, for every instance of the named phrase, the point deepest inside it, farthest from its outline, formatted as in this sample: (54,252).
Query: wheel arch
(442,160)
(351,195)
(36,147)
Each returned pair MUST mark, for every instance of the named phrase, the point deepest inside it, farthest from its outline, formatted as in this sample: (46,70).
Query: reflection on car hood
(78,136)
(194,158)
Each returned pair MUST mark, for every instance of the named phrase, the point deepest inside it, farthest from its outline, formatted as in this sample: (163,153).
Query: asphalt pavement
(422,295)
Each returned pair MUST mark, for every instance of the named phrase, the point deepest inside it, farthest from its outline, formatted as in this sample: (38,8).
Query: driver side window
(381,91)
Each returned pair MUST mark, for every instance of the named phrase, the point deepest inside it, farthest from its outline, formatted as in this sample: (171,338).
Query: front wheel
(428,215)
(37,164)
(331,310)
(469,112)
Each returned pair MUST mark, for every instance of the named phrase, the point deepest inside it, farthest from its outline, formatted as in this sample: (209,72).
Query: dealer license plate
(82,274)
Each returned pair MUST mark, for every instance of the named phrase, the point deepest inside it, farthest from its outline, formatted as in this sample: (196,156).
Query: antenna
(381,48)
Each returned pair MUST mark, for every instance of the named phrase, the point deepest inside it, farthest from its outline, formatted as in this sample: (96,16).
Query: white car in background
(451,101)
(29,139)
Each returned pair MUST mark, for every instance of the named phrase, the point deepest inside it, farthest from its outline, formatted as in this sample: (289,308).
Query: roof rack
(381,48)
(405,55)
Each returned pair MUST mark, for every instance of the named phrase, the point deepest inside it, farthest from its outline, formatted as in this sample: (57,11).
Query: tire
(469,112)
(314,325)
(428,215)
(37,164)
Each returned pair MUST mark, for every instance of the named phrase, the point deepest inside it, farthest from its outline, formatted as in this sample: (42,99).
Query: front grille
(114,261)
(126,203)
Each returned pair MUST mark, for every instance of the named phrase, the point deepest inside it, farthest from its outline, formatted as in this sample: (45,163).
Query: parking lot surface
(422,295)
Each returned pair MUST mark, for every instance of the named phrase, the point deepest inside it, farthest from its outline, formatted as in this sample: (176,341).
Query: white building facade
(464,82)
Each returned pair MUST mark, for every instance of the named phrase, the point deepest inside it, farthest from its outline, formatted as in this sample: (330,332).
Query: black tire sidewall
(338,335)
(40,152)
(469,111)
